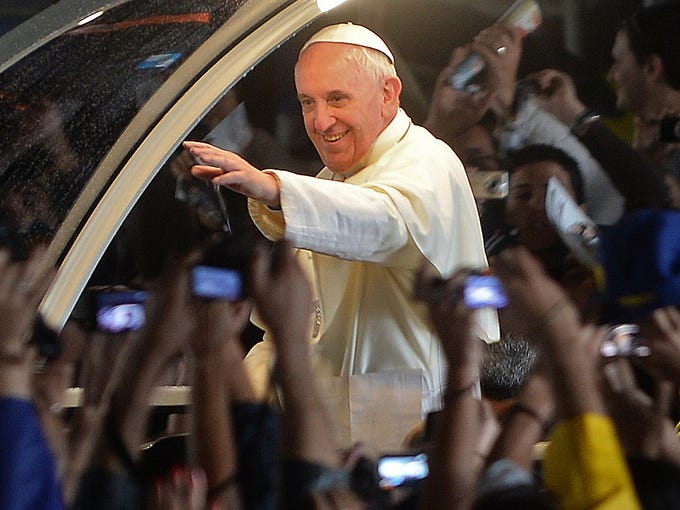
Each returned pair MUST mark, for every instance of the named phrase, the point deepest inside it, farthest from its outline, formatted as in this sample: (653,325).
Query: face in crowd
(628,76)
(345,105)
(525,205)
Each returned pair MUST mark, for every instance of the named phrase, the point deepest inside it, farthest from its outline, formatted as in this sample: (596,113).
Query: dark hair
(538,152)
(656,30)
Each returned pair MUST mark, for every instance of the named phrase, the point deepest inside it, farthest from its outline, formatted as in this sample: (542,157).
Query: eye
(521,195)
(306,103)
(337,99)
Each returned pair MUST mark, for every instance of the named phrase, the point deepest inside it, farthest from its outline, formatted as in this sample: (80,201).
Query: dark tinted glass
(63,106)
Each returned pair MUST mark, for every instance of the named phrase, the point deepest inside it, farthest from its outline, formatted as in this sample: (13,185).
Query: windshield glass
(64,105)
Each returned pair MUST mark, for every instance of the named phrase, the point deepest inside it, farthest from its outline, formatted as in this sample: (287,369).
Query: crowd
(568,409)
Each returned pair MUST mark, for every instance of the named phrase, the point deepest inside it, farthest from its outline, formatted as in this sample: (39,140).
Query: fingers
(260,268)
(206,172)
(457,56)
(27,280)
(497,36)
(668,321)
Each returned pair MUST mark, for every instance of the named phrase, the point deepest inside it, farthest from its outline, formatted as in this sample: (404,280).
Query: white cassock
(362,240)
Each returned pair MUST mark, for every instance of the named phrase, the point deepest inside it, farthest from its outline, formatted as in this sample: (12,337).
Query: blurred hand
(337,498)
(536,301)
(452,112)
(556,94)
(184,490)
(103,358)
(450,316)
(22,285)
(219,322)
(282,292)
(231,170)
(664,358)
(642,422)
(501,72)
(171,309)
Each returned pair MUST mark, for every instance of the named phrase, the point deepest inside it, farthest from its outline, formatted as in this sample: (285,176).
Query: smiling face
(345,106)
(525,206)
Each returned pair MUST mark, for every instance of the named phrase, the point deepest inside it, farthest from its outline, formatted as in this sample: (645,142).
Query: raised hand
(556,94)
(232,171)
(22,285)
(452,112)
(501,46)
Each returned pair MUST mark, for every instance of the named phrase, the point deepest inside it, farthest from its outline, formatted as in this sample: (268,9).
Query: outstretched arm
(228,169)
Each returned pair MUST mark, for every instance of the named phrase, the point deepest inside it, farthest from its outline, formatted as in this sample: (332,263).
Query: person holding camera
(390,196)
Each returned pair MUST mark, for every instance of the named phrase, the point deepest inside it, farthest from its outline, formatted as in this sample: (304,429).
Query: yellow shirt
(585,467)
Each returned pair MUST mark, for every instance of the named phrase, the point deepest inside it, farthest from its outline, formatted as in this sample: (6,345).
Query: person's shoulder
(420,135)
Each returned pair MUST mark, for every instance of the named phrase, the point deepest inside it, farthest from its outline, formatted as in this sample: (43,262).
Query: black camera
(623,340)
(111,309)
(212,282)
(223,271)
(669,130)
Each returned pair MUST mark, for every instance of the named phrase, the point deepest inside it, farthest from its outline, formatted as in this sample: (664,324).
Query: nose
(323,117)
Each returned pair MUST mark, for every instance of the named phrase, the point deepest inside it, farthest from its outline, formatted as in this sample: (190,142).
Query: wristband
(452,395)
(583,121)
(521,408)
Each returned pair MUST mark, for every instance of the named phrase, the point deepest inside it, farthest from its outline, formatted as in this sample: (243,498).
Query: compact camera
(111,309)
(223,271)
(120,311)
(402,470)
(622,340)
(484,291)
(212,282)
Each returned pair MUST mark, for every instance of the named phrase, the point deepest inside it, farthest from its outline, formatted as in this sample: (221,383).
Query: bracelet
(451,395)
(583,121)
(521,408)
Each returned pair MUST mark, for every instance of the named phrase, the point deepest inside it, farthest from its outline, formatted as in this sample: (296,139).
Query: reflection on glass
(63,106)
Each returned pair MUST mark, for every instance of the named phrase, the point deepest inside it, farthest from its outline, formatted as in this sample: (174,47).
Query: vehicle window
(63,106)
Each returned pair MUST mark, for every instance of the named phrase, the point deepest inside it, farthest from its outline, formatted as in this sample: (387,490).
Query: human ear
(654,68)
(391,90)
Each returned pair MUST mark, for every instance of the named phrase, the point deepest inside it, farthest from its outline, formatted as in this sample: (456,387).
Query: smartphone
(623,340)
(402,470)
(211,282)
(484,291)
(117,311)
(488,184)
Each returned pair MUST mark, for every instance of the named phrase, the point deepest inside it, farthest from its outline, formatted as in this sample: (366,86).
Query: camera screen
(482,291)
(217,283)
(121,311)
(622,341)
(400,470)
